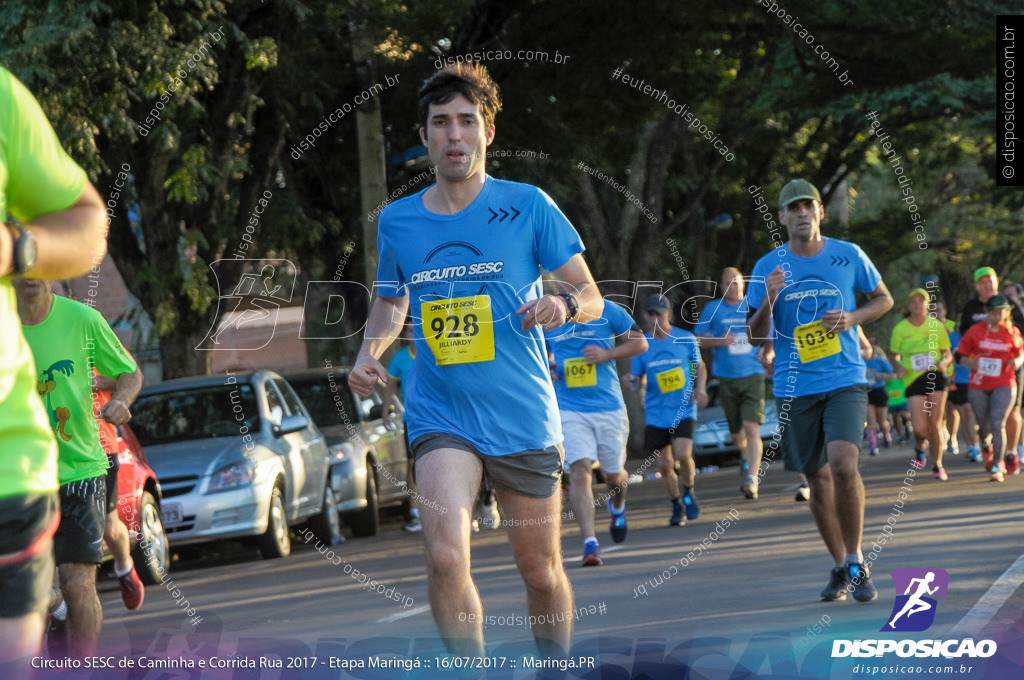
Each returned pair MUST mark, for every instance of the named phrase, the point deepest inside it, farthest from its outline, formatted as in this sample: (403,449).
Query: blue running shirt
(739,359)
(878,365)
(479,376)
(826,361)
(671,368)
(581,387)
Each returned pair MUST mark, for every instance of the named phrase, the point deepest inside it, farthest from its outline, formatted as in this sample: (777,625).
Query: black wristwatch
(23,251)
(573,306)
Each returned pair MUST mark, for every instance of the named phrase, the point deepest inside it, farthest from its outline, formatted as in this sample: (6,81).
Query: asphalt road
(747,604)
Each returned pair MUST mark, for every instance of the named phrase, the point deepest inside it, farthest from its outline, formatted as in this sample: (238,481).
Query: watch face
(25,252)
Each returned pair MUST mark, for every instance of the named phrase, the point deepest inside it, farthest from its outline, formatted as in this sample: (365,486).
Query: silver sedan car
(236,456)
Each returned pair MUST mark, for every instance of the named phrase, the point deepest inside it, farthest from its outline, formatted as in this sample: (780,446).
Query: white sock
(61,612)
(118,573)
(415,512)
(854,558)
(589,539)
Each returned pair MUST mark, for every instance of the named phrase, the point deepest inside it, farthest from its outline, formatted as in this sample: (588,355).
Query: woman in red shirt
(993,350)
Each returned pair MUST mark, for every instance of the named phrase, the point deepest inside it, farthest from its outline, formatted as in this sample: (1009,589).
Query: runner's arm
(550,311)
(389,396)
(116,411)
(879,302)
(387,316)
(702,377)
(634,344)
(66,240)
(712,341)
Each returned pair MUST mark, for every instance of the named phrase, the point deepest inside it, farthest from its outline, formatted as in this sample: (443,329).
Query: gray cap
(798,189)
(657,303)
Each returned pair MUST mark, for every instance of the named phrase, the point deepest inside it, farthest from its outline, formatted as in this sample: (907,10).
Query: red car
(138,504)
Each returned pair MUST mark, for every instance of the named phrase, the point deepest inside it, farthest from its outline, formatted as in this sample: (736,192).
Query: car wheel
(275,541)
(327,525)
(154,561)
(366,522)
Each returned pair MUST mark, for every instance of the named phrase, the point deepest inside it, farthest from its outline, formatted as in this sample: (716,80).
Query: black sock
(688,491)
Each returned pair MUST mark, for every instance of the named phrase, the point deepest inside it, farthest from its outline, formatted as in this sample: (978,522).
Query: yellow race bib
(813,342)
(578,373)
(459,330)
(671,380)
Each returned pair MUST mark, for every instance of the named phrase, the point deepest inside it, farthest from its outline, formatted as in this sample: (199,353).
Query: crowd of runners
(507,387)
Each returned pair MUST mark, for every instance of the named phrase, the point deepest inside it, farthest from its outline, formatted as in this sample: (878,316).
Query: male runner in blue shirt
(808,287)
(675,377)
(736,363)
(593,414)
(463,258)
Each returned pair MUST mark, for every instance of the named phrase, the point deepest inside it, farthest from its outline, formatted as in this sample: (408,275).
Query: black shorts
(958,397)
(115,465)
(809,423)
(878,397)
(26,528)
(79,538)
(657,438)
(925,385)
(535,473)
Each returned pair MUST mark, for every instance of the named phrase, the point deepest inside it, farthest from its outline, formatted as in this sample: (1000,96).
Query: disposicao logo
(914,610)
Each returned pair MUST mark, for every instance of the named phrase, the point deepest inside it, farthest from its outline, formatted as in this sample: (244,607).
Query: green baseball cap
(984,271)
(796,190)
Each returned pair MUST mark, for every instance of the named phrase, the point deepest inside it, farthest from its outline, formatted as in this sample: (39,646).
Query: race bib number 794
(459,330)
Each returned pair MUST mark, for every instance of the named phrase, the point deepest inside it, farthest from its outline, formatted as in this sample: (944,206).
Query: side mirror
(291,424)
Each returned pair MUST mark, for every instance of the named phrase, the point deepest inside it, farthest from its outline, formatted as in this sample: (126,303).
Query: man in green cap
(808,287)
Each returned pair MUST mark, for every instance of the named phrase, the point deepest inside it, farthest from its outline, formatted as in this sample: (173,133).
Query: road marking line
(405,615)
(975,620)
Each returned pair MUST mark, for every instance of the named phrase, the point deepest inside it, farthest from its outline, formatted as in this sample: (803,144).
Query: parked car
(369,465)
(139,500)
(712,442)
(236,456)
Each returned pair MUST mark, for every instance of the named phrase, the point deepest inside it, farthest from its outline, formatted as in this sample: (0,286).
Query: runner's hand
(365,374)
(837,321)
(547,312)
(115,412)
(702,399)
(595,355)
(775,282)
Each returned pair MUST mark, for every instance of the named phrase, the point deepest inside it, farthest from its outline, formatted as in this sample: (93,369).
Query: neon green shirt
(920,347)
(71,341)
(36,177)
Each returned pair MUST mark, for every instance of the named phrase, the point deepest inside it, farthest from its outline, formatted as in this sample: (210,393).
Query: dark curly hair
(471,80)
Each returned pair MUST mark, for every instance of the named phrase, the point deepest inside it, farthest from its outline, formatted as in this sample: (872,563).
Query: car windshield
(327,407)
(200,413)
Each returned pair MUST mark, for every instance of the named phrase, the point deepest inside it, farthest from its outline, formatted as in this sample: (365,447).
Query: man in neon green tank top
(62,228)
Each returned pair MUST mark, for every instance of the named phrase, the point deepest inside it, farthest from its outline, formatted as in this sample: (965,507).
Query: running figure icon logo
(248,314)
(914,610)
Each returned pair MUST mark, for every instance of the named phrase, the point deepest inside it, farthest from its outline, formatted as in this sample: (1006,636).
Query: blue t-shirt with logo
(739,359)
(479,375)
(580,387)
(671,369)
(878,365)
(824,361)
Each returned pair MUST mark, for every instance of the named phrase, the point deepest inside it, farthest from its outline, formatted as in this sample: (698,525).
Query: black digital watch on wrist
(573,306)
(23,251)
